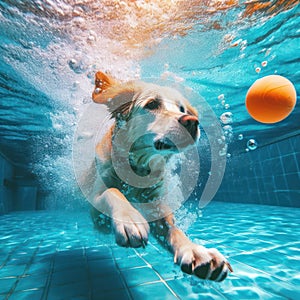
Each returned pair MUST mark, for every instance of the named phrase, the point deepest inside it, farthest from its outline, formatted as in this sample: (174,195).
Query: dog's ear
(118,97)
(103,83)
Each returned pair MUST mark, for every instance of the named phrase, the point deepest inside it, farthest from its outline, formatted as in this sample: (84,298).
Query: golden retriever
(151,122)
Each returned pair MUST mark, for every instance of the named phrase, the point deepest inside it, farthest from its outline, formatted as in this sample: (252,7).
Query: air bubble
(91,39)
(86,100)
(227,129)
(77,66)
(252,144)
(268,51)
(240,137)
(227,106)
(228,132)
(257,69)
(73,61)
(223,151)
(221,97)
(226,117)
(228,155)
(75,86)
(264,63)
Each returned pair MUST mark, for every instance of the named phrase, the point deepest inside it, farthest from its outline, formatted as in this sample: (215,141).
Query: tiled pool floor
(58,255)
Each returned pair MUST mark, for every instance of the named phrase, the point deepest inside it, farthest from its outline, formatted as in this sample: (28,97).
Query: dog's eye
(181,108)
(153,104)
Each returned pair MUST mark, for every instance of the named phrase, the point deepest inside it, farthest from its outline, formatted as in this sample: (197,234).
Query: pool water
(58,255)
(49,53)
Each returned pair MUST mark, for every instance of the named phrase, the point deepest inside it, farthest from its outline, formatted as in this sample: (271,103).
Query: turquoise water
(57,255)
(49,52)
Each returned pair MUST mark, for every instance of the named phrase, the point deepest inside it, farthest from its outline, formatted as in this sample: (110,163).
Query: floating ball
(271,99)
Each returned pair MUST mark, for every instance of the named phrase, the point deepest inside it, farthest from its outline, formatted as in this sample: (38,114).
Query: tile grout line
(11,252)
(160,277)
(11,291)
(49,277)
(121,276)
(90,296)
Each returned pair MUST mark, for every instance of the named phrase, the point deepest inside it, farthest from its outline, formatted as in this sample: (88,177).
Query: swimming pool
(214,51)
(57,255)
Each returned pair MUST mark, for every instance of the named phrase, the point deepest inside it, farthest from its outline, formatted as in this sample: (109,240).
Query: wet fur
(110,196)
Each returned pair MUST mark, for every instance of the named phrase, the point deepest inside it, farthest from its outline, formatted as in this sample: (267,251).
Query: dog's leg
(192,258)
(130,227)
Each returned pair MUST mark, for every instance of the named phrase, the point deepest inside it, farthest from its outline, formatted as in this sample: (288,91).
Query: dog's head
(168,122)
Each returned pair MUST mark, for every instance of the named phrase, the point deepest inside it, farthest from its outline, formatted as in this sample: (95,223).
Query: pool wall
(6,194)
(18,189)
(268,175)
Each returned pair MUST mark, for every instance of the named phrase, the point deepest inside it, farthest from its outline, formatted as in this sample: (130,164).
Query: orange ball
(271,99)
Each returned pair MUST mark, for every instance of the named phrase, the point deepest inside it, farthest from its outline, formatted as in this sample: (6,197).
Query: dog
(150,122)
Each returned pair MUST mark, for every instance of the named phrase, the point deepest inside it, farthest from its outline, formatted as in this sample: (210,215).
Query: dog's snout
(190,123)
(188,120)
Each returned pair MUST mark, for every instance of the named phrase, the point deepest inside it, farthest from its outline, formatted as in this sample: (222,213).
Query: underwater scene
(211,90)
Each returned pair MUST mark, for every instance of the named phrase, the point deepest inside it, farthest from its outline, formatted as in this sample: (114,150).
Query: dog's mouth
(165,144)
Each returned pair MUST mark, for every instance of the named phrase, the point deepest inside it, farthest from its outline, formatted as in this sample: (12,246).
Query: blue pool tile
(68,263)
(121,252)
(31,282)
(12,270)
(183,290)
(242,283)
(295,142)
(111,295)
(293,181)
(170,271)
(69,275)
(139,276)
(130,262)
(78,290)
(6,284)
(32,294)
(43,258)
(289,163)
(98,253)
(102,267)
(297,154)
(282,289)
(269,184)
(267,167)
(154,257)
(107,284)
(280,182)
(274,150)
(283,198)
(155,290)
(191,287)
(285,147)
(267,235)
(295,198)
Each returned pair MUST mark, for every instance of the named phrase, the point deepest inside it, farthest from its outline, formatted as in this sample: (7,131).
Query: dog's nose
(190,123)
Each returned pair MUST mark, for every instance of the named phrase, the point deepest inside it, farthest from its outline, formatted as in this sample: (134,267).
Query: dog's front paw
(202,262)
(130,227)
